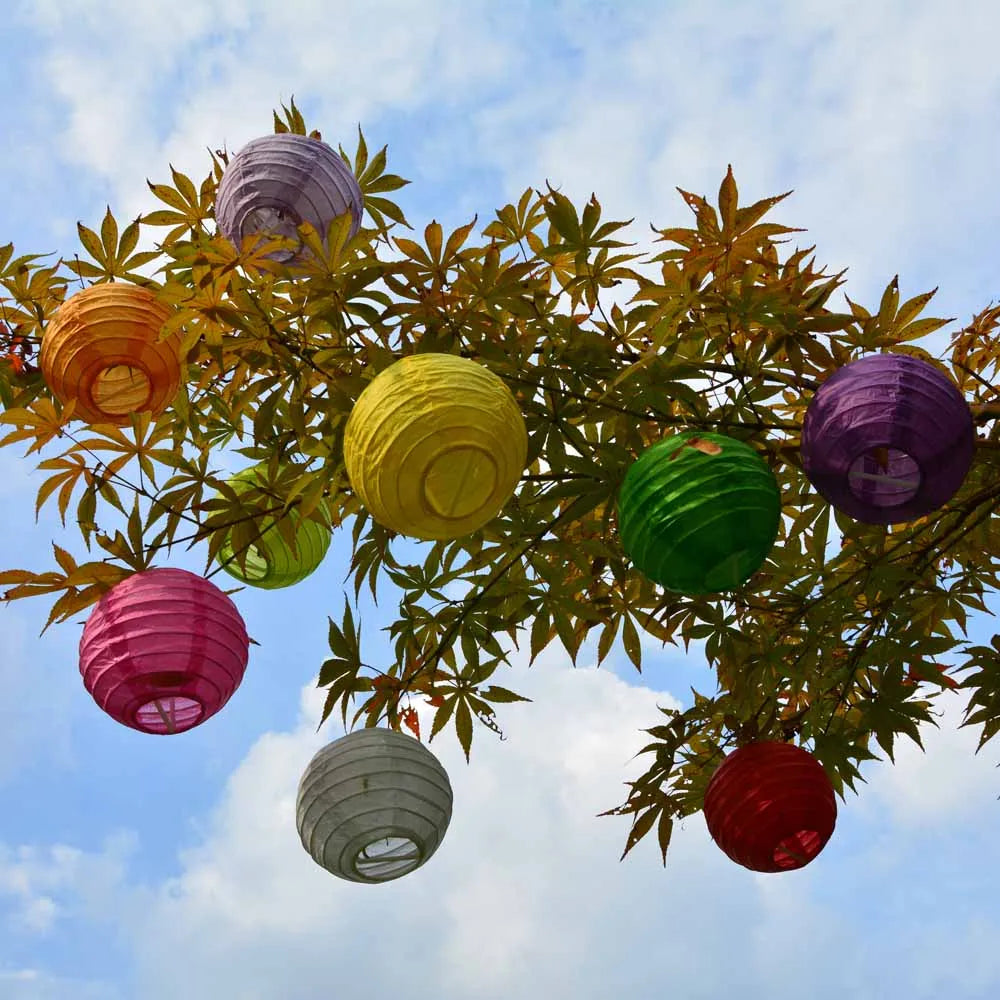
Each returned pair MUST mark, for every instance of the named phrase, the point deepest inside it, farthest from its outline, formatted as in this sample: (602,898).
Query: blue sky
(136,868)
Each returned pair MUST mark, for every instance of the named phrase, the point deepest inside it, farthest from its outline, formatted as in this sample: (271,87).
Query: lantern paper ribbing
(270,561)
(373,805)
(277,182)
(435,446)
(101,349)
(770,807)
(887,438)
(698,513)
(163,651)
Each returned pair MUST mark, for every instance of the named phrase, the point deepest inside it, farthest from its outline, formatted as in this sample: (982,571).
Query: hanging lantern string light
(373,805)
(277,182)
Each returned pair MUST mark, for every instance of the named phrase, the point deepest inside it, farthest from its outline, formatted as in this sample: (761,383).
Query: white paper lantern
(373,805)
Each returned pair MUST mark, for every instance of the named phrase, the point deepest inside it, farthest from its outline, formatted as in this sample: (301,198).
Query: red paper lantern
(163,651)
(770,807)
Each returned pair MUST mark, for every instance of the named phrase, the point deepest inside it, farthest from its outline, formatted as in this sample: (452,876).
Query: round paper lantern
(270,561)
(101,348)
(373,805)
(770,807)
(163,651)
(698,513)
(277,182)
(887,438)
(435,446)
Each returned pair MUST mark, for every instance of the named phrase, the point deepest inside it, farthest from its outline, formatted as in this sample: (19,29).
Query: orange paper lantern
(102,349)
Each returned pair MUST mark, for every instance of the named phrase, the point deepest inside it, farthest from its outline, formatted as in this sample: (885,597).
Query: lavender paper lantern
(887,438)
(277,182)
(373,805)
(163,651)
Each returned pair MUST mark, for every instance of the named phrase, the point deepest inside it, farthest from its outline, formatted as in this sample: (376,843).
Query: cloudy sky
(136,868)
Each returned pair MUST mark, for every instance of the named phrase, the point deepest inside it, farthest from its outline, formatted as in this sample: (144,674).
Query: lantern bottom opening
(387,858)
(884,476)
(258,565)
(169,714)
(798,850)
(121,389)
(460,481)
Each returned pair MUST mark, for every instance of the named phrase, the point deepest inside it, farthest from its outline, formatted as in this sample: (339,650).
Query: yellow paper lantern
(435,446)
(101,348)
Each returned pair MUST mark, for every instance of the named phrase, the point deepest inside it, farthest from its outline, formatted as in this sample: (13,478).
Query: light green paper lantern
(270,562)
(698,513)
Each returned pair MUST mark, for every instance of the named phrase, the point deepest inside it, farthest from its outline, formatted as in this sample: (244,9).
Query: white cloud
(526,895)
(36,984)
(507,901)
(50,883)
(215,79)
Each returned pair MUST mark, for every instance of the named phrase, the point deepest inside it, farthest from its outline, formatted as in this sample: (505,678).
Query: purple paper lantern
(277,182)
(887,438)
(163,651)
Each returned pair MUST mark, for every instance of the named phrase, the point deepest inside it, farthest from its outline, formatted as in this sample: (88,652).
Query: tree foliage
(606,350)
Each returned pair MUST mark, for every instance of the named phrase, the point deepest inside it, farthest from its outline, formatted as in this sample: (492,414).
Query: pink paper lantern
(163,651)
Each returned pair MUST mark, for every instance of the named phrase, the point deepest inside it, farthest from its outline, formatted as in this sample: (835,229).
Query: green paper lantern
(698,513)
(271,563)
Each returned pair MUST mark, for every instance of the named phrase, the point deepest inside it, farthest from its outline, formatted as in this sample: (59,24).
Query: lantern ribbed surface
(373,805)
(271,562)
(770,807)
(277,182)
(101,349)
(887,438)
(435,446)
(698,513)
(163,651)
